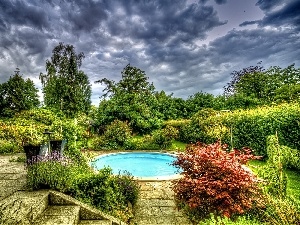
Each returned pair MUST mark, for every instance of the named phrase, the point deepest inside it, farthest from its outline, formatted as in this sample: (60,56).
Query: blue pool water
(139,164)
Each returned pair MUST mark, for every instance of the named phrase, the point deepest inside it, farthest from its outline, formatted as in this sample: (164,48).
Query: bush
(8,147)
(115,136)
(248,127)
(218,220)
(164,137)
(215,181)
(52,172)
(281,211)
(141,143)
(112,194)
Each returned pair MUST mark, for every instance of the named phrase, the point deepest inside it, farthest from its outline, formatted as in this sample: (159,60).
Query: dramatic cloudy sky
(184,46)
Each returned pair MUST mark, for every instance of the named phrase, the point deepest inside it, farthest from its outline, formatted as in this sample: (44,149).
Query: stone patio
(156,205)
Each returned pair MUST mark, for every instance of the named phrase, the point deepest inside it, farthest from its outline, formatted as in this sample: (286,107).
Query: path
(156,205)
(12,176)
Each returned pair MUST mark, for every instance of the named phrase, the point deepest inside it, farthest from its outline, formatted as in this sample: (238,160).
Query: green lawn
(293,187)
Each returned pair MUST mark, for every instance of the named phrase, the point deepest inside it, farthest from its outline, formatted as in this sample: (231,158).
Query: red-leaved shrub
(215,181)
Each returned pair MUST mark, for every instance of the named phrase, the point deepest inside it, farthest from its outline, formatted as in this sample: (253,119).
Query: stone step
(23,207)
(59,215)
(95,222)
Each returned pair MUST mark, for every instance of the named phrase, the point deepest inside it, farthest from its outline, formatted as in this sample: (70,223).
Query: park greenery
(258,113)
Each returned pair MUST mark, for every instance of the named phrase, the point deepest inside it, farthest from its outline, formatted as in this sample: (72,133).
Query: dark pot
(31,151)
(57,145)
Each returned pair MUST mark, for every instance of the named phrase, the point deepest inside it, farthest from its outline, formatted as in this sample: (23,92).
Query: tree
(131,99)
(266,86)
(17,94)
(199,101)
(65,87)
(247,80)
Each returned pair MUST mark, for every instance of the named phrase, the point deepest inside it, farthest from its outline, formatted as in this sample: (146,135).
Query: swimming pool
(142,165)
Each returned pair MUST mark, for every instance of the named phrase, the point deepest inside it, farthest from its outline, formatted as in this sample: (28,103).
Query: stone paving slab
(157,206)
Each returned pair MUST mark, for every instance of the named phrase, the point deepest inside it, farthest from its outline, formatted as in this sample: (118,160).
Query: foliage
(279,158)
(109,193)
(283,155)
(65,87)
(131,99)
(115,136)
(8,147)
(218,220)
(214,181)
(50,172)
(281,211)
(17,94)
(106,192)
(247,127)
(265,86)
(199,101)
(141,143)
(164,137)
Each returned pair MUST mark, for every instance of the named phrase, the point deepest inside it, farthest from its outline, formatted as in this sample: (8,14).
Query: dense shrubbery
(164,137)
(247,127)
(215,181)
(8,147)
(27,127)
(109,193)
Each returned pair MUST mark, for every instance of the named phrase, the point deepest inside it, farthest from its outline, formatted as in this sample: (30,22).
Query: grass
(178,145)
(293,185)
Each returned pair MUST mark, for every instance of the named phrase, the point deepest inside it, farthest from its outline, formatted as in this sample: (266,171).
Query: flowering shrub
(52,171)
(215,181)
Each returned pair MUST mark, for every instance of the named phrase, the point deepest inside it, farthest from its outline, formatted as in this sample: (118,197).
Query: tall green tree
(17,94)
(131,99)
(65,87)
(264,86)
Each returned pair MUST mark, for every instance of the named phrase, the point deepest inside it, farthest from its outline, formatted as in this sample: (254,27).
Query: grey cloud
(20,13)
(219,2)
(288,15)
(246,23)
(269,4)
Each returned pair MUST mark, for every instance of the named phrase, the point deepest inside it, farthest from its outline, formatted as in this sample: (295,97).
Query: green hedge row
(246,127)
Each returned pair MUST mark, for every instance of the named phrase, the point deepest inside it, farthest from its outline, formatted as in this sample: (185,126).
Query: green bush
(288,157)
(247,127)
(115,135)
(164,137)
(241,220)
(281,211)
(8,147)
(141,143)
(112,194)
(51,174)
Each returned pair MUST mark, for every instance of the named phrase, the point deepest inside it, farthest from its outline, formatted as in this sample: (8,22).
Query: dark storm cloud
(219,2)
(21,13)
(269,4)
(166,39)
(288,15)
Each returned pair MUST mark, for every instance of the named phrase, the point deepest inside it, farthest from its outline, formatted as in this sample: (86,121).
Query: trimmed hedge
(248,127)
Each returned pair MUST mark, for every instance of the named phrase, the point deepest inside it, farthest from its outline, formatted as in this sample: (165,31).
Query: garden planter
(31,151)
(57,145)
